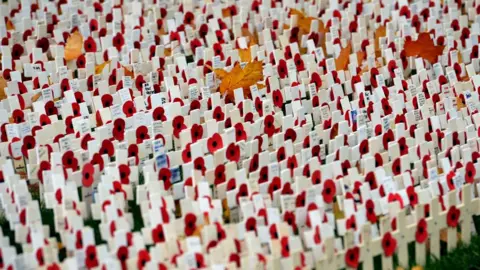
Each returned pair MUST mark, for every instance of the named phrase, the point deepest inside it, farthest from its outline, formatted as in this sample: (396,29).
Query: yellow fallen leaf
(99,68)
(303,21)
(36,96)
(245,55)
(417,267)
(341,63)
(10,25)
(3,85)
(379,32)
(73,48)
(240,78)
(128,72)
(252,38)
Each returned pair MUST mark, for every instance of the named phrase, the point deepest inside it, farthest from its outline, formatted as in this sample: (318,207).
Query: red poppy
(18,116)
(107,100)
(122,256)
(190,224)
(282,69)
(219,175)
(421,233)
(218,114)
(28,144)
(389,244)
(396,166)
(273,231)
(351,223)
(277,98)
(87,175)
(352,256)
(69,160)
(17,51)
(107,148)
(240,134)
(254,163)
(118,130)
(199,164)
(412,196)
(453,216)
(196,132)
(251,224)
(39,257)
(187,154)
(299,62)
(142,258)
(292,164)
(233,152)
(142,134)
(370,209)
(178,125)
(470,172)
(124,171)
(158,234)
(118,41)
(269,125)
(274,185)
(91,260)
(129,108)
(85,140)
(290,134)
(50,108)
(90,45)
(285,247)
(44,166)
(329,191)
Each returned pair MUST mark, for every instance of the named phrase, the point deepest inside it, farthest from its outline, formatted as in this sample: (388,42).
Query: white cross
(470,207)
(387,262)
(404,234)
(420,248)
(436,222)
(368,247)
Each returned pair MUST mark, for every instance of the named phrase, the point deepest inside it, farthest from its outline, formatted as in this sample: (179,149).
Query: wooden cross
(368,246)
(404,234)
(471,207)
(420,248)
(387,262)
(452,232)
(436,222)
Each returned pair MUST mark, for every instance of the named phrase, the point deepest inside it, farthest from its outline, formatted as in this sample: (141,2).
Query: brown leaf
(3,85)
(424,47)
(245,55)
(99,68)
(10,25)
(128,72)
(240,78)
(341,63)
(73,47)
(379,32)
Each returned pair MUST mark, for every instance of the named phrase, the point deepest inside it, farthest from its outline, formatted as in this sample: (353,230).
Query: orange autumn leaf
(341,63)
(226,12)
(361,55)
(10,25)
(73,48)
(304,22)
(424,47)
(379,32)
(245,55)
(99,68)
(239,78)
(252,38)
(128,72)
(3,85)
